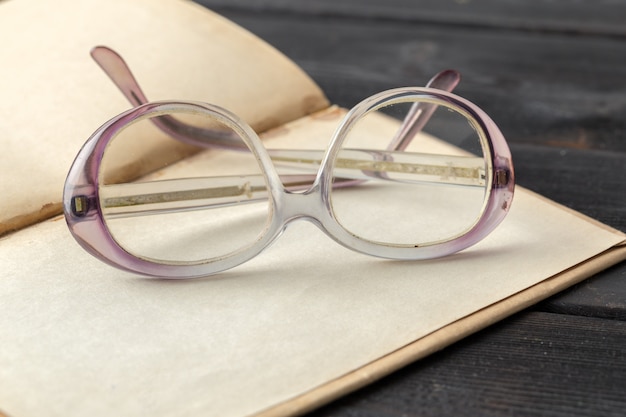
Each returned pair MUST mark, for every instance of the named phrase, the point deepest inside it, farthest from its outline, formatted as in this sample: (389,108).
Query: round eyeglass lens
(171,202)
(397,183)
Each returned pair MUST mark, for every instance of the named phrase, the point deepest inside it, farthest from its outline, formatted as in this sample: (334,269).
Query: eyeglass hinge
(80,205)
(501,178)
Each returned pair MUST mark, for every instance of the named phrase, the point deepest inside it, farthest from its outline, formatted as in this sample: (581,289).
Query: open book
(303,323)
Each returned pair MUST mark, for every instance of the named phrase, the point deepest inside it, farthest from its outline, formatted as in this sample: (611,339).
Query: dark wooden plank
(535,364)
(606,17)
(554,89)
(598,296)
(590,181)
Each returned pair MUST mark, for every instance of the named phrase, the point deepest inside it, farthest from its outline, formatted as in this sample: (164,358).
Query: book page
(53,96)
(82,338)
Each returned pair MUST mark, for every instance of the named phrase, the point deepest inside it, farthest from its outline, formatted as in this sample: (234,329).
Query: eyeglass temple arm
(118,71)
(419,113)
(121,75)
(152,197)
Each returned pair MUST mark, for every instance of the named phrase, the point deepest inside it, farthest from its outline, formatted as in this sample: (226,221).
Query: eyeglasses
(393,183)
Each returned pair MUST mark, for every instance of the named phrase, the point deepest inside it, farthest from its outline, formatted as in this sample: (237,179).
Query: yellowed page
(81,338)
(53,96)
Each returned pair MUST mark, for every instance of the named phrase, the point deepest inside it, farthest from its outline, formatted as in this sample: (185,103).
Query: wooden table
(552,74)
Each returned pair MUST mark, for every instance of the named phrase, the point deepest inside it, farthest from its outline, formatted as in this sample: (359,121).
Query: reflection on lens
(433,190)
(171,202)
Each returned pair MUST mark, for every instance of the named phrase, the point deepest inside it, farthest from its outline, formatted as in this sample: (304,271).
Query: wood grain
(535,364)
(540,88)
(606,17)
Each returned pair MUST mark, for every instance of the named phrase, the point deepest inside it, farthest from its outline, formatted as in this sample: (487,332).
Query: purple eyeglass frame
(83,211)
